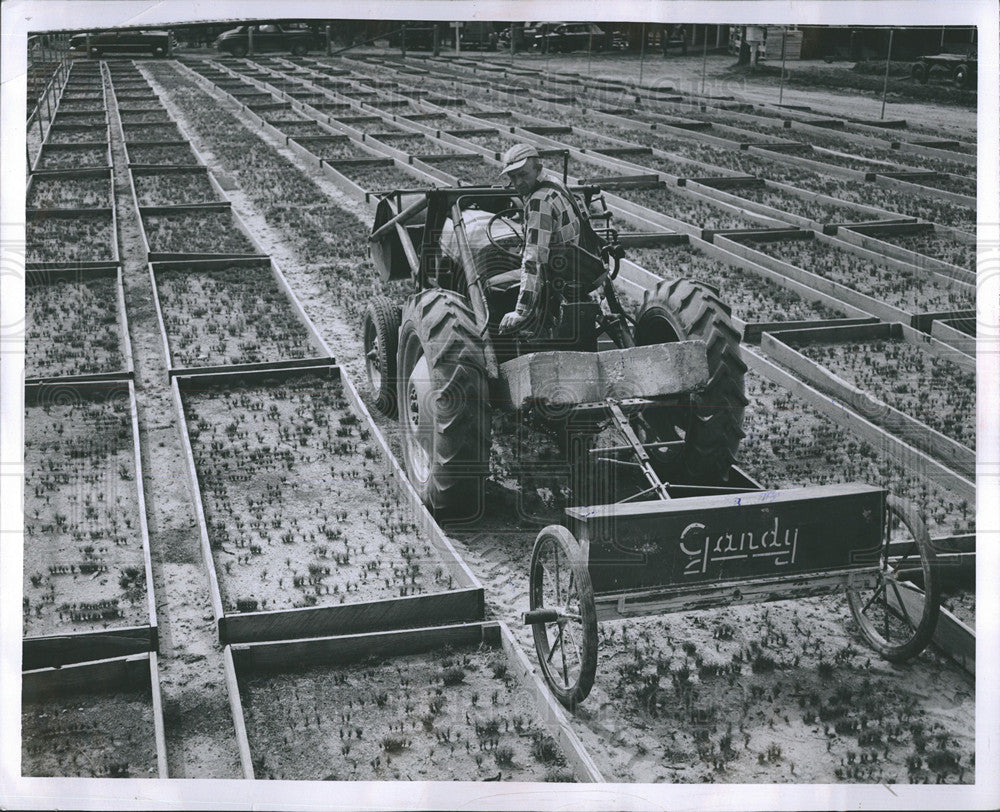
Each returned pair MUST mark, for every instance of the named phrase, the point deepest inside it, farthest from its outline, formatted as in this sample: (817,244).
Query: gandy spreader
(696,532)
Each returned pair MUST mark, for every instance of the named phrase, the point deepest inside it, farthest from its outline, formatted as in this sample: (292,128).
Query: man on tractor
(552,219)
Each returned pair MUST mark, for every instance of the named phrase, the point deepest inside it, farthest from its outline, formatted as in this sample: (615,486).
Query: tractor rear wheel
(443,402)
(711,421)
(919,72)
(380,330)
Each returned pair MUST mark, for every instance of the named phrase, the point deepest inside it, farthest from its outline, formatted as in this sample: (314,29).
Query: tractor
(669,379)
(689,530)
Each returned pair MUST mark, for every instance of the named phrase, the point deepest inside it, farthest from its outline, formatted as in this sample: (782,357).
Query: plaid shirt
(550,221)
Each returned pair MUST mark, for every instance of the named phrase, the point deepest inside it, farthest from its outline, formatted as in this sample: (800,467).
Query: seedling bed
(924,247)
(920,390)
(457,703)
(299,129)
(802,209)
(935,210)
(96,720)
(87,119)
(697,214)
(889,290)
(70,190)
(364,124)
(774,693)
(303,526)
(73,156)
(77,134)
(169,186)
(797,436)
(754,298)
(155,133)
(55,237)
(956,188)
(168,153)
(329,147)
(469,171)
(219,313)
(413,144)
(375,175)
(207,231)
(144,116)
(80,106)
(75,324)
(87,578)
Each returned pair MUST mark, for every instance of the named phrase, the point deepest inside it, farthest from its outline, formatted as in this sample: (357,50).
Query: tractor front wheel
(443,403)
(710,423)
(380,328)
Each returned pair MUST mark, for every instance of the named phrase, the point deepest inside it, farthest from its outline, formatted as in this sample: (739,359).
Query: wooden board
(782,349)
(951,635)
(464,602)
(707,541)
(280,656)
(959,340)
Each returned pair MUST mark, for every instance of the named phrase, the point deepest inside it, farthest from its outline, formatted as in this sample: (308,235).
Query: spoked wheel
(504,231)
(563,616)
(894,616)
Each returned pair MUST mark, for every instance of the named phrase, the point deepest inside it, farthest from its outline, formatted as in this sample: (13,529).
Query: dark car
(417,36)
(298,39)
(155,43)
(572,37)
(480,36)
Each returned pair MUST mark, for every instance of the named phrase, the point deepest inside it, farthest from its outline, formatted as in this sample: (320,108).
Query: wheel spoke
(557,641)
(871,600)
(558,589)
(902,606)
(562,653)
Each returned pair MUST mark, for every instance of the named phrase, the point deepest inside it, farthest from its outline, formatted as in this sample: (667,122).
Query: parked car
(418,36)
(572,37)
(99,43)
(479,36)
(296,38)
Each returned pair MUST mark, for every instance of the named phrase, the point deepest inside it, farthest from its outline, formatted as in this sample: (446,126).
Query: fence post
(885,83)
(781,84)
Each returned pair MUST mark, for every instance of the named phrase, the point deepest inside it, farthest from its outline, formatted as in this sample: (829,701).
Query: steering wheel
(506,244)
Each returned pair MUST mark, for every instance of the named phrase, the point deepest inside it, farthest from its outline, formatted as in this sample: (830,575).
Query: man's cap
(517,156)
